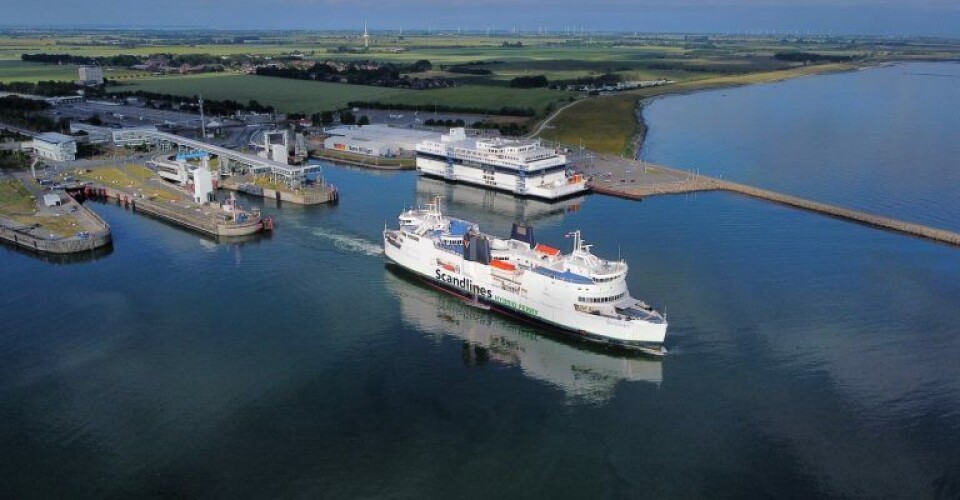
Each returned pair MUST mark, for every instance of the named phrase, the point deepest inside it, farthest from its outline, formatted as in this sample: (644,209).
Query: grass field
(605,124)
(303,96)
(18,205)
(608,124)
(15,199)
(481,96)
(285,94)
(19,71)
(129,176)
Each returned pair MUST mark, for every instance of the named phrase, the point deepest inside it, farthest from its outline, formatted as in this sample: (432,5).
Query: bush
(529,82)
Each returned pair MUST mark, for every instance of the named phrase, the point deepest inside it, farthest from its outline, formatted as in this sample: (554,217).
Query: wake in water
(349,243)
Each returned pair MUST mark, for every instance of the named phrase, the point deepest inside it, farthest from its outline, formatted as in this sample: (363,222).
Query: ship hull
(504,189)
(472,281)
(555,189)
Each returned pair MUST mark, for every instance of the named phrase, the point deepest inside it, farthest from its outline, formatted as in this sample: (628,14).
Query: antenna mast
(203,121)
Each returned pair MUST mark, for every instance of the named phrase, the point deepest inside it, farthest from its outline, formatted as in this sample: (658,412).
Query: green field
(482,96)
(605,124)
(284,94)
(304,96)
(18,71)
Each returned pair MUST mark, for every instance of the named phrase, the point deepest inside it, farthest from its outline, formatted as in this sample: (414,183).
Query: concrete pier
(185,217)
(633,179)
(96,235)
(308,196)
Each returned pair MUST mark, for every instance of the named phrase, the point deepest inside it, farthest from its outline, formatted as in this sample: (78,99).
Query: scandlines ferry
(578,293)
(521,167)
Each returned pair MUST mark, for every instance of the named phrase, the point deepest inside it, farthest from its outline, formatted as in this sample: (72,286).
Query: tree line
(808,57)
(210,106)
(27,113)
(360,73)
(445,108)
(48,88)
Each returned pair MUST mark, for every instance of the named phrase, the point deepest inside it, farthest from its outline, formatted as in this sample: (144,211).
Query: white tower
(366,36)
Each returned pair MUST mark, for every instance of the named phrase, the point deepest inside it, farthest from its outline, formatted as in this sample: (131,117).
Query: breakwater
(634,179)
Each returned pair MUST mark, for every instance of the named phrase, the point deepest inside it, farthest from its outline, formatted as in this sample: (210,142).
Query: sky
(876,17)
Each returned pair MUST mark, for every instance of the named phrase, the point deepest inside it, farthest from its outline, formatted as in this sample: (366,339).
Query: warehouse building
(56,147)
(376,140)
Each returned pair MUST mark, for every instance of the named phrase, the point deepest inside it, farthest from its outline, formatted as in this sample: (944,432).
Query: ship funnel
(476,248)
(524,233)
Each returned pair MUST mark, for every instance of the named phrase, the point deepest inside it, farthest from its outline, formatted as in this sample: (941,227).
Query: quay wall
(374,164)
(87,218)
(62,246)
(327,195)
(174,215)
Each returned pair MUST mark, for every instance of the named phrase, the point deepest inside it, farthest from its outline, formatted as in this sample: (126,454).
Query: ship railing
(454,249)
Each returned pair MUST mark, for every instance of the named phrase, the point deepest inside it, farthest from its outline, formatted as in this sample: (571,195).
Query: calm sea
(809,357)
(884,140)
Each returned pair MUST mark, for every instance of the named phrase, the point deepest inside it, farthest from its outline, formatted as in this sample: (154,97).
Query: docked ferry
(521,167)
(577,293)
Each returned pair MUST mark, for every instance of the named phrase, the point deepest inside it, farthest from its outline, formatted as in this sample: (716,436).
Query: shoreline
(638,138)
(603,130)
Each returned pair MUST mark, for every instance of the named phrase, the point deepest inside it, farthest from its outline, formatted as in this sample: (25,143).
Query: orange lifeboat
(502,265)
(548,250)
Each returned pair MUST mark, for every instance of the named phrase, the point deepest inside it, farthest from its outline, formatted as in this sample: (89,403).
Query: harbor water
(809,357)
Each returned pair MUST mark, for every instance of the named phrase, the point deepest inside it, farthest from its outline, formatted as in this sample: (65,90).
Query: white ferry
(578,293)
(524,168)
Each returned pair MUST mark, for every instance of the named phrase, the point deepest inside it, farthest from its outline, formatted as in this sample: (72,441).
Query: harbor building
(90,75)
(135,136)
(56,147)
(376,140)
(131,136)
(94,133)
(521,167)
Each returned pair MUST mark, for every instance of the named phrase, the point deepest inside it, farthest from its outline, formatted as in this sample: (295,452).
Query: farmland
(17,71)
(304,96)
(483,66)
(284,94)
(481,96)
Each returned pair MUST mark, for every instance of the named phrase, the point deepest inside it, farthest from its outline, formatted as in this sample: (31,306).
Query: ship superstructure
(522,167)
(577,293)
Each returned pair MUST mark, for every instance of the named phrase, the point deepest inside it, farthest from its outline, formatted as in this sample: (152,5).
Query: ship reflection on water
(493,209)
(582,372)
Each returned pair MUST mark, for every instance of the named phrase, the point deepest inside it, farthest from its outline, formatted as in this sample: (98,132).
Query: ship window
(604,280)
(602,300)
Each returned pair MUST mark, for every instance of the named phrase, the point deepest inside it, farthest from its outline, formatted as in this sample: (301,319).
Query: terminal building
(132,136)
(376,140)
(56,147)
(135,136)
